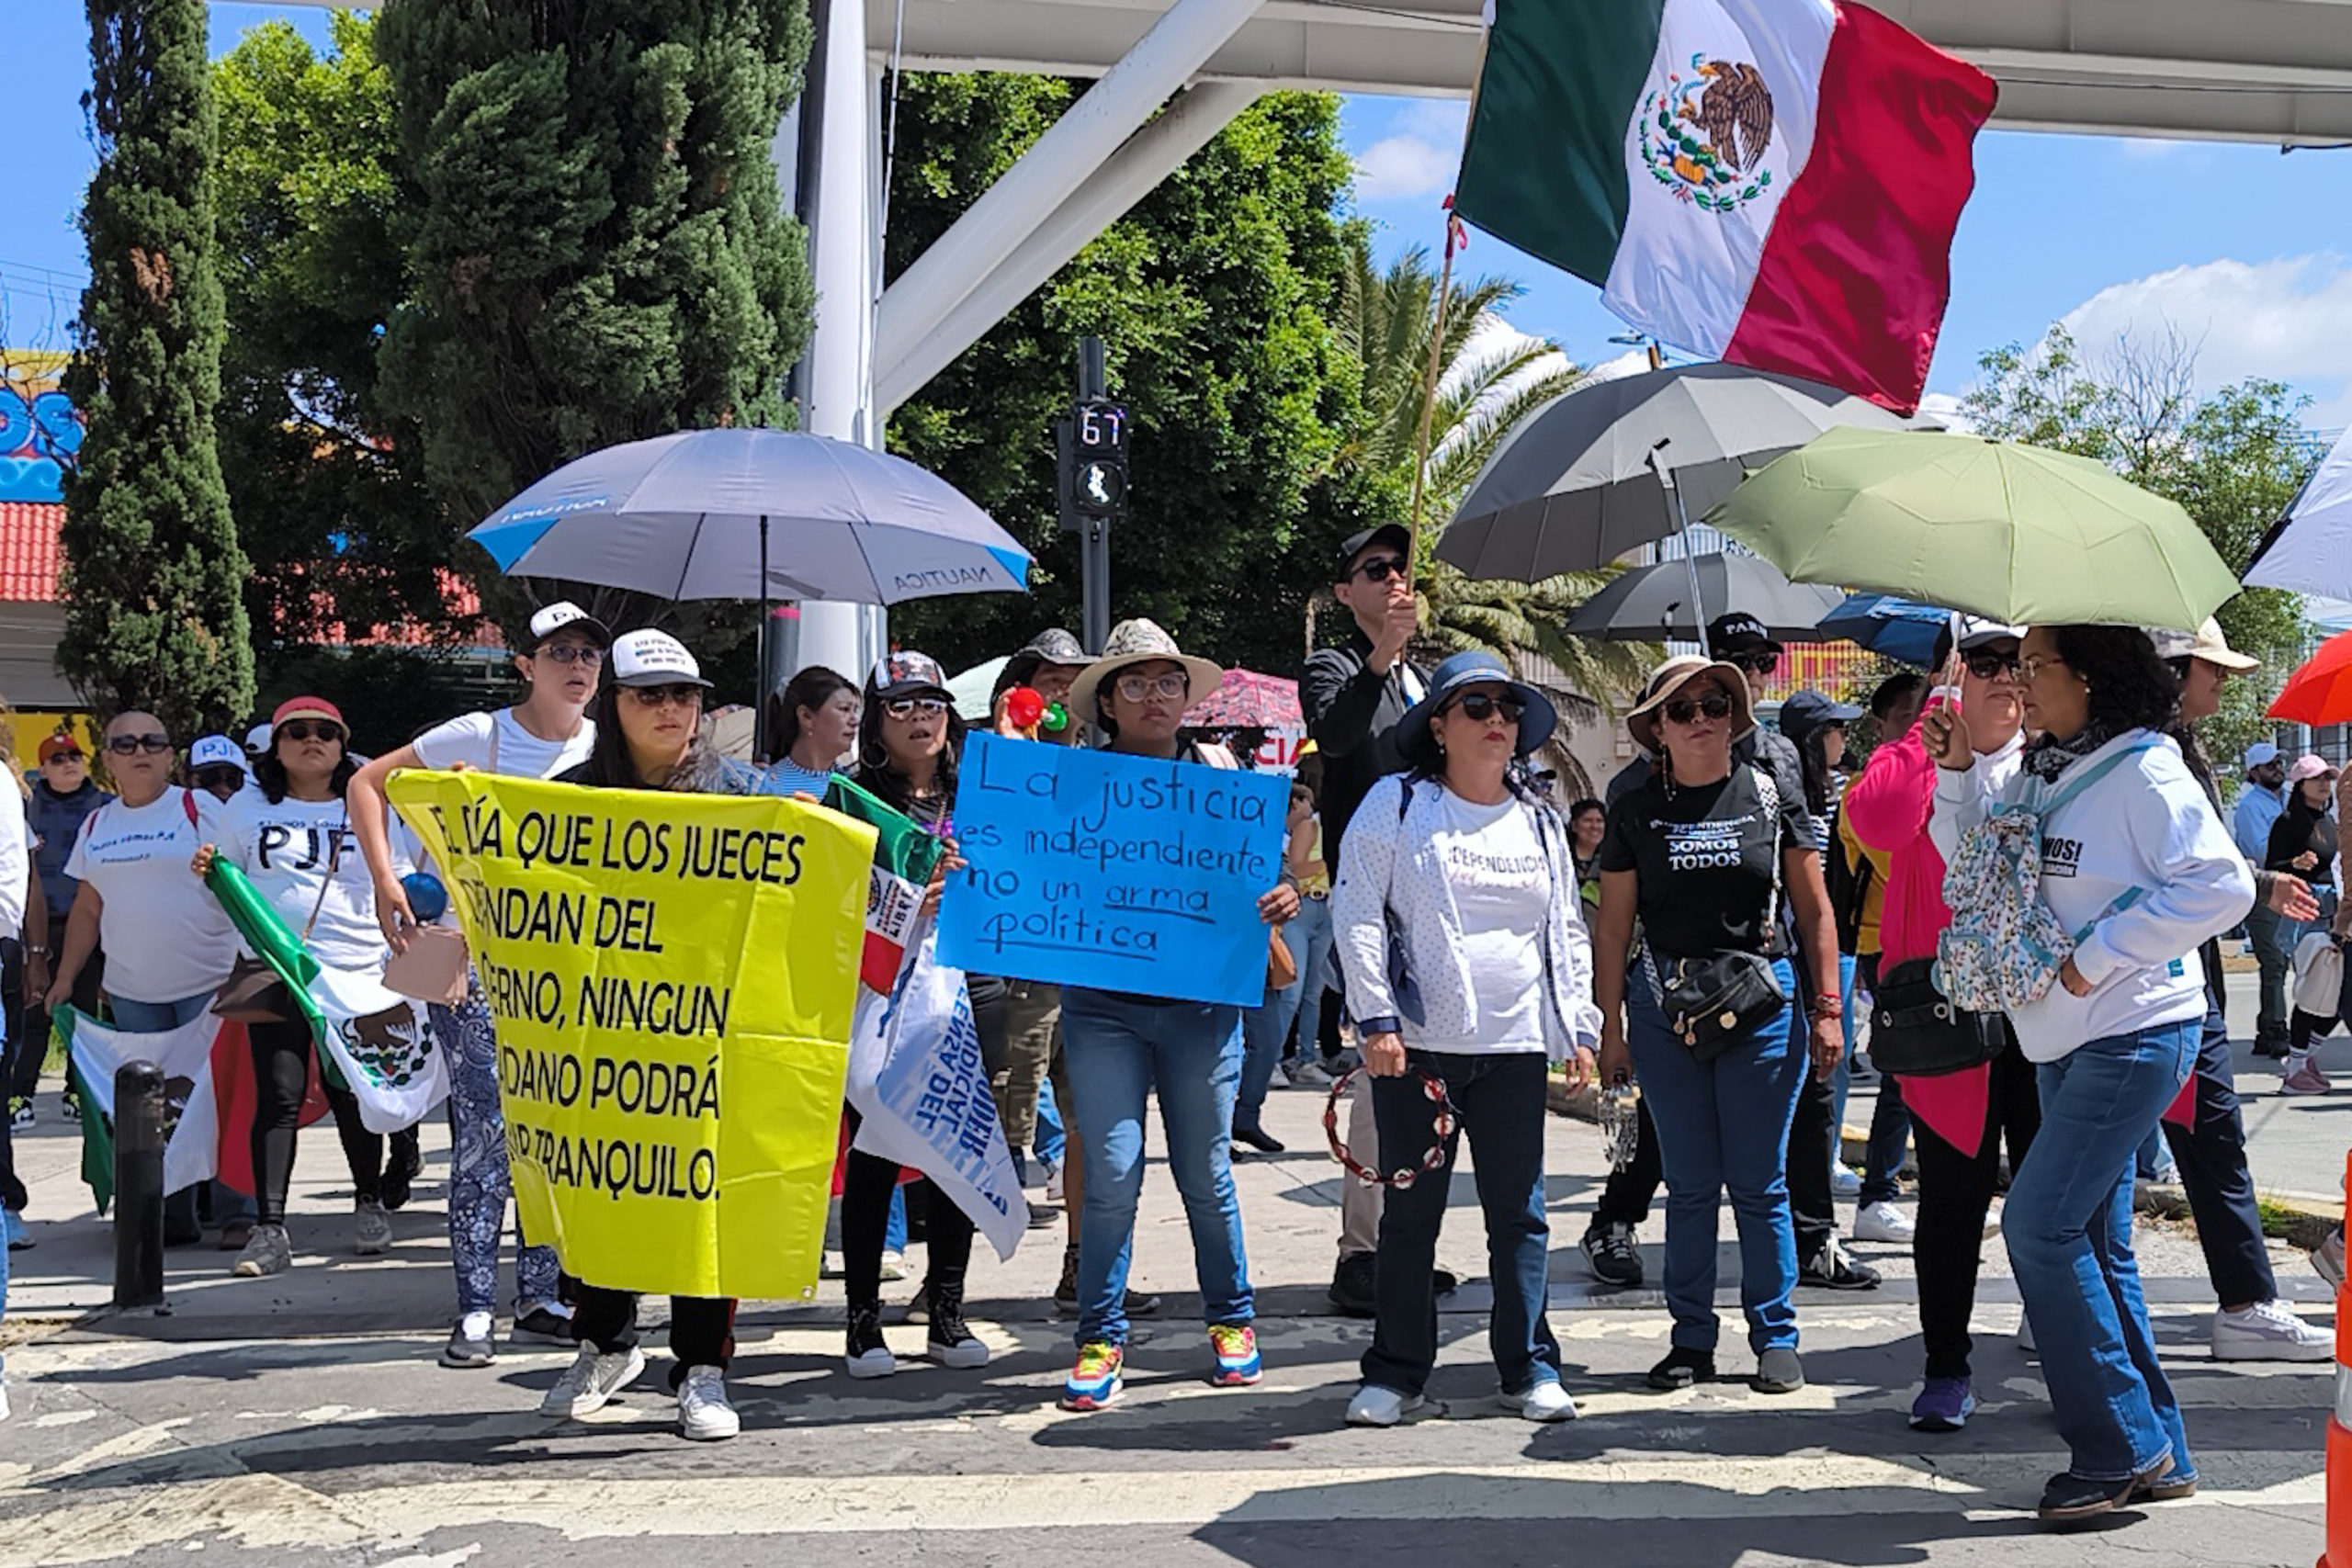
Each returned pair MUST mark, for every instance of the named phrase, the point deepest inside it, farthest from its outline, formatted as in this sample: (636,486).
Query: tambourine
(1444,1118)
(1620,1114)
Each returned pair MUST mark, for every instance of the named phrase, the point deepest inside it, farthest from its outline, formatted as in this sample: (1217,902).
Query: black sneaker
(1352,1285)
(1138,1304)
(949,1342)
(407,1162)
(1610,1253)
(868,1355)
(1683,1368)
(543,1325)
(1044,1216)
(1257,1138)
(2069,1499)
(2274,1048)
(1831,1269)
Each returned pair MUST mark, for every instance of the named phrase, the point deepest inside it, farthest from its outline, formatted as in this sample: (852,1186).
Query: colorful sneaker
(1094,1381)
(1235,1345)
(1944,1406)
(2304,1078)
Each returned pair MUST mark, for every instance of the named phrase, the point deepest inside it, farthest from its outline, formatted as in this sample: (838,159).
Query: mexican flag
(904,855)
(1770,182)
(208,1099)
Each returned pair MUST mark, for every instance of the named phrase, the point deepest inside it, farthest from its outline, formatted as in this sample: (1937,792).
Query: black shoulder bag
(1712,1004)
(1916,1033)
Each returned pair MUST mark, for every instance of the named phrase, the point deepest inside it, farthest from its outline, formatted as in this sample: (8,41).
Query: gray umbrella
(1572,487)
(1652,604)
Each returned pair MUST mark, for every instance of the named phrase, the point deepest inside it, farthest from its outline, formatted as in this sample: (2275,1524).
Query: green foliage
(2232,460)
(596,250)
(1212,299)
(325,481)
(390,694)
(152,567)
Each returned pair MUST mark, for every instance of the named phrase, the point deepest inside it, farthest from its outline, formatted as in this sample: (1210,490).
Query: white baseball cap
(653,659)
(1976,632)
(215,751)
(2261,755)
(257,738)
(564,615)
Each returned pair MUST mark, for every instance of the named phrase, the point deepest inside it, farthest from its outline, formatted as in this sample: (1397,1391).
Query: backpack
(2005,947)
(1849,885)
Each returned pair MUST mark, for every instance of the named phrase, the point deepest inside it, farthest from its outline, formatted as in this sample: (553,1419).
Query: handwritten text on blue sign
(1119,873)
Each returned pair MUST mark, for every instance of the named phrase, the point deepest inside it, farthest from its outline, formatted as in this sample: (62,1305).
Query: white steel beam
(1129,175)
(1163,60)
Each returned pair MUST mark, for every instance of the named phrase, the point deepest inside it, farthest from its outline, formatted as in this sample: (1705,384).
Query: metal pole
(1682,527)
(139,1130)
(1094,544)
(767,671)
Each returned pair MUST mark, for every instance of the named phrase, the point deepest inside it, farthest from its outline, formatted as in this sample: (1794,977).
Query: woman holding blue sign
(1461,929)
(1118,1047)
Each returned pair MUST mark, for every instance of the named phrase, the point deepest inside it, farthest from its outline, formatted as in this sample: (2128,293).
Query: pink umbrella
(1248,701)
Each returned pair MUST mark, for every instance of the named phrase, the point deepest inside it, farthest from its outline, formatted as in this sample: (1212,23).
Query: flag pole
(1429,393)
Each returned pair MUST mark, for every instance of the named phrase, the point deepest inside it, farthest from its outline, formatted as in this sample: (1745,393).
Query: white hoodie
(2146,825)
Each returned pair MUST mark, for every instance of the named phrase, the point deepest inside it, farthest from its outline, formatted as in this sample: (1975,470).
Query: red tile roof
(29,551)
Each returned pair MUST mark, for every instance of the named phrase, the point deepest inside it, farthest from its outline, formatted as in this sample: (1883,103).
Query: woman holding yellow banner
(906,758)
(649,735)
(1117,1048)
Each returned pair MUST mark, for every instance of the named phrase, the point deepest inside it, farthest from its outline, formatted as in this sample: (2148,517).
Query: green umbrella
(1997,528)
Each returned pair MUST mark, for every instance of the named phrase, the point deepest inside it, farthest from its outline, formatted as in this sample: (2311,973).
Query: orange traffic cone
(2339,1431)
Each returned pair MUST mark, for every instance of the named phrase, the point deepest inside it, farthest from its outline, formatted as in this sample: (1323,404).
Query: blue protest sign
(1118,872)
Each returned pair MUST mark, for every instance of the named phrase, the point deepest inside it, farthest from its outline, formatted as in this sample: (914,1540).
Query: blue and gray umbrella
(1899,629)
(754,515)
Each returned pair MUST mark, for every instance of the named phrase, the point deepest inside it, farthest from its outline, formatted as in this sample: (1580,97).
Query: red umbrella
(2321,692)
(1248,700)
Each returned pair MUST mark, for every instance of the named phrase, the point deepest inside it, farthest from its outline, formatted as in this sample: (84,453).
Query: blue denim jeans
(2068,1224)
(1722,1126)
(1117,1050)
(229,1205)
(1501,1102)
(1267,1025)
(1050,1141)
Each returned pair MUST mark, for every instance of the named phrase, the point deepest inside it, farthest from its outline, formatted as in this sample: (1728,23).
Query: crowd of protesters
(1450,942)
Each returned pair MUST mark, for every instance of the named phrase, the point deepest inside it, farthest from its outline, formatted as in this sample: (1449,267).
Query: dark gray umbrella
(1652,604)
(1573,487)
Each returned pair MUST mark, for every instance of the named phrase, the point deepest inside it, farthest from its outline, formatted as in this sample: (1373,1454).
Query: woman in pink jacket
(1960,1117)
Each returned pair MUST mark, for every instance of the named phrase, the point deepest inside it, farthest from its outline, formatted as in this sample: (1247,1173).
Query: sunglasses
(1989,664)
(908,707)
(1135,688)
(306,729)
(574,653)
(1754,663)
(153,742)
(1380,568)
(1480,706)
(680,695)
(1687,710)
(204,778)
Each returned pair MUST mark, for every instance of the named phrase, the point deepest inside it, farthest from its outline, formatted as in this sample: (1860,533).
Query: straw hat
(1140,641)
(1671,677)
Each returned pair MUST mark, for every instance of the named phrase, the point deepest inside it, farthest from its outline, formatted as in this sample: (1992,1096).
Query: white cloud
(1945,409)
(2286,318)
(1418,156)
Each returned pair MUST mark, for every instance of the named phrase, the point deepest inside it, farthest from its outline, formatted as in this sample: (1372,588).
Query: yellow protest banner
(672,977)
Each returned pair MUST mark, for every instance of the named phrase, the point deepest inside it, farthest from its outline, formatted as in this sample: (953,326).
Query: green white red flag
(1774,183)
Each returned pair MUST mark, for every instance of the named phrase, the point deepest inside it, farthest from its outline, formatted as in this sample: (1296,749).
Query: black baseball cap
(1354,545)
(1738,633)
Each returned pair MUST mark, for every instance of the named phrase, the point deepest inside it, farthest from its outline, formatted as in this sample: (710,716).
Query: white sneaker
(704,1414)
(1993,1219)
(1545,1401)
(1845,1181)
(590,1382)
(1882,1222)
(894,1265)
(1053,1184)
(2267,1331)
(371,1228)
(1376,1406)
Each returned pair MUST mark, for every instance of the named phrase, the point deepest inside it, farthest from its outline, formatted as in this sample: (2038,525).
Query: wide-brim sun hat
(1140,641)
(1475,667)
(1671,677)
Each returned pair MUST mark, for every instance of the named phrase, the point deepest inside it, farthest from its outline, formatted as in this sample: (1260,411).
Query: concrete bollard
(139,1131)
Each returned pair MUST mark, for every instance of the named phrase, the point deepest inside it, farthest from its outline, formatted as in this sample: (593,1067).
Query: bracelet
(1829,1004)
(38,952)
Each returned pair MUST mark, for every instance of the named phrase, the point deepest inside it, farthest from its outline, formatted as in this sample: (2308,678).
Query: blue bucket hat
(1804,712)
(1474,668)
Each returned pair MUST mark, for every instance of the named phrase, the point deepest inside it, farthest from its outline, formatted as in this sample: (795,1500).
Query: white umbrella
(975,691)
(2310,549)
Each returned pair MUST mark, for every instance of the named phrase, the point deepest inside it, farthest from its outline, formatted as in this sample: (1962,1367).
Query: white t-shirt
(288,851)
(517,754)
(16,857)
(1502,890)
(165,937)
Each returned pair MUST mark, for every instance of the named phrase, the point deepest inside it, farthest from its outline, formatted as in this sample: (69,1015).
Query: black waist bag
(1712,1004)
(1916,1033)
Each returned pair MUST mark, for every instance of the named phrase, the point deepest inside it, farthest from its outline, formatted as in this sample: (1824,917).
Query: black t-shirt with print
(1702,859)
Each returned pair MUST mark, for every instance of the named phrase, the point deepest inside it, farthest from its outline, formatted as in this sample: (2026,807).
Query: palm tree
(1489,378)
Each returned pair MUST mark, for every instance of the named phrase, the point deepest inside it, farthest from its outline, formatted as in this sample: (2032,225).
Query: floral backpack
(2005,947)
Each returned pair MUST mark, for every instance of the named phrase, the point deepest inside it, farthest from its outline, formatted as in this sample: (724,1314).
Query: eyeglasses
(153,742)
(680,695)
(1380,568)
(908,707)
(1480,706)
(304,729)
(1135,688)
(1686,710)
(574,653)
(1990,664)
(1759,663)
(2030,667)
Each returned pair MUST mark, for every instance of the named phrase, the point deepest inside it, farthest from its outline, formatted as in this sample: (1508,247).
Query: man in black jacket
(1353,695)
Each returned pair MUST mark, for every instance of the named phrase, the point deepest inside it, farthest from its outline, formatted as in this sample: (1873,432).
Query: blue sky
(2245,253)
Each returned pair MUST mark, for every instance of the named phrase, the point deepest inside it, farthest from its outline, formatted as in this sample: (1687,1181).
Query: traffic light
(1094,459)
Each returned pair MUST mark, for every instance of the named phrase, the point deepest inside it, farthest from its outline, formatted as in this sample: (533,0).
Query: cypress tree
(154,573)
